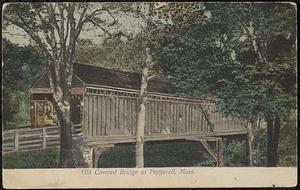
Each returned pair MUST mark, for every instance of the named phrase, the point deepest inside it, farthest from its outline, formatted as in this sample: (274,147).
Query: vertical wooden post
(44,137)
(250,139)
(217,151)
(16,140)
(220,152)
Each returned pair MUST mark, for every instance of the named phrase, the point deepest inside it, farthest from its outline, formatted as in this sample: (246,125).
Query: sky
(129,24)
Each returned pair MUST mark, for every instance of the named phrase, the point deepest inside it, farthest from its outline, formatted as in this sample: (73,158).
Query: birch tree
(158,17)
(55,29)
(143,90)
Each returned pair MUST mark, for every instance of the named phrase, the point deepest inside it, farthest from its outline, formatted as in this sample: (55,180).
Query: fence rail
(32,139)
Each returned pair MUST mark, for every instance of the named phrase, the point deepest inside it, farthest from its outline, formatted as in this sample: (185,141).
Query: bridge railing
(110,113)
(34,138)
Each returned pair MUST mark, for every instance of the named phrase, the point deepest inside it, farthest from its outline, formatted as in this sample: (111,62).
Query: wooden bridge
(111,117)
(105,103)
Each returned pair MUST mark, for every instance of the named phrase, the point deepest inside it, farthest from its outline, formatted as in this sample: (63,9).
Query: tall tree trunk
(60,78)
(276,131)
(139,158)
(273,128)
(141,119)
(65,125)
(250,140)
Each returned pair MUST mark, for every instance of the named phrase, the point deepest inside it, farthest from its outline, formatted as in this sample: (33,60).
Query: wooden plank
(108,116)
(186,111)
(112,115)
(163,117)
(30,146)
(162,123)
(202,121)
(154,117)
(171,112)
(31,135)
(182,118)
(103,114)
(16,140)
(148,119)
(193,116)
(175,117)
(90,118)
(125,113)
(8,144)
(153,122)
(36,141)
(99,117)
(135,111)
(184,123)
(121,115)
(191,128)
(209,149)
(44,138)
(117,118)
(95,118)
(130,115)
(198,121)
(168,120)
(158,117)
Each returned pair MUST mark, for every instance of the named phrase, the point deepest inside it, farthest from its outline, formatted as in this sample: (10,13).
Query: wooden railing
(34,138)
(107,115)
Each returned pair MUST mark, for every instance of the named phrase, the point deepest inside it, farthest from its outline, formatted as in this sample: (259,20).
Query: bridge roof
(94,75)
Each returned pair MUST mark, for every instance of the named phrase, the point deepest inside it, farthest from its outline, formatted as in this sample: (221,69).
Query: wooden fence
(115,113)
(33,138)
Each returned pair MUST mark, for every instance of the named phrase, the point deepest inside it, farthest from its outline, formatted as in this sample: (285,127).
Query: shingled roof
(93,75)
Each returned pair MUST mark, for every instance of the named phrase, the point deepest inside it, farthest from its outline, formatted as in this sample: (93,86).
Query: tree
(245,54)
(154,30)
(21,67)
(55,28)
(113,53)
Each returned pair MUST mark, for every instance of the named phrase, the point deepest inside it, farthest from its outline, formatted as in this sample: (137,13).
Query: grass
(166,154)
(45,158)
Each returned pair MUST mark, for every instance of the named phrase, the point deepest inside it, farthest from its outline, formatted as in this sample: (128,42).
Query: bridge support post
(220,149)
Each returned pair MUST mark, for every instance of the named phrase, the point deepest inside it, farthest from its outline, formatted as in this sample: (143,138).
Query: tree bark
(142,107)
(65,125)
(141,118)
(273,128)
(250,140)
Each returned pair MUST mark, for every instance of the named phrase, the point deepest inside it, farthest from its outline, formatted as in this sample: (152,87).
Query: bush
(235,152)
(287,148)
(260,147)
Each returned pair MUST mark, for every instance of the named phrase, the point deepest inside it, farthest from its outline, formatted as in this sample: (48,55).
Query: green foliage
(260,148)
(46,158)
(114,53)
(22,65)
(287,148)
(215,55)
(235,152)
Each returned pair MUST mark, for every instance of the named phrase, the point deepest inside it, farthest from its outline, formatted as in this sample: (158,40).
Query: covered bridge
(105,103)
